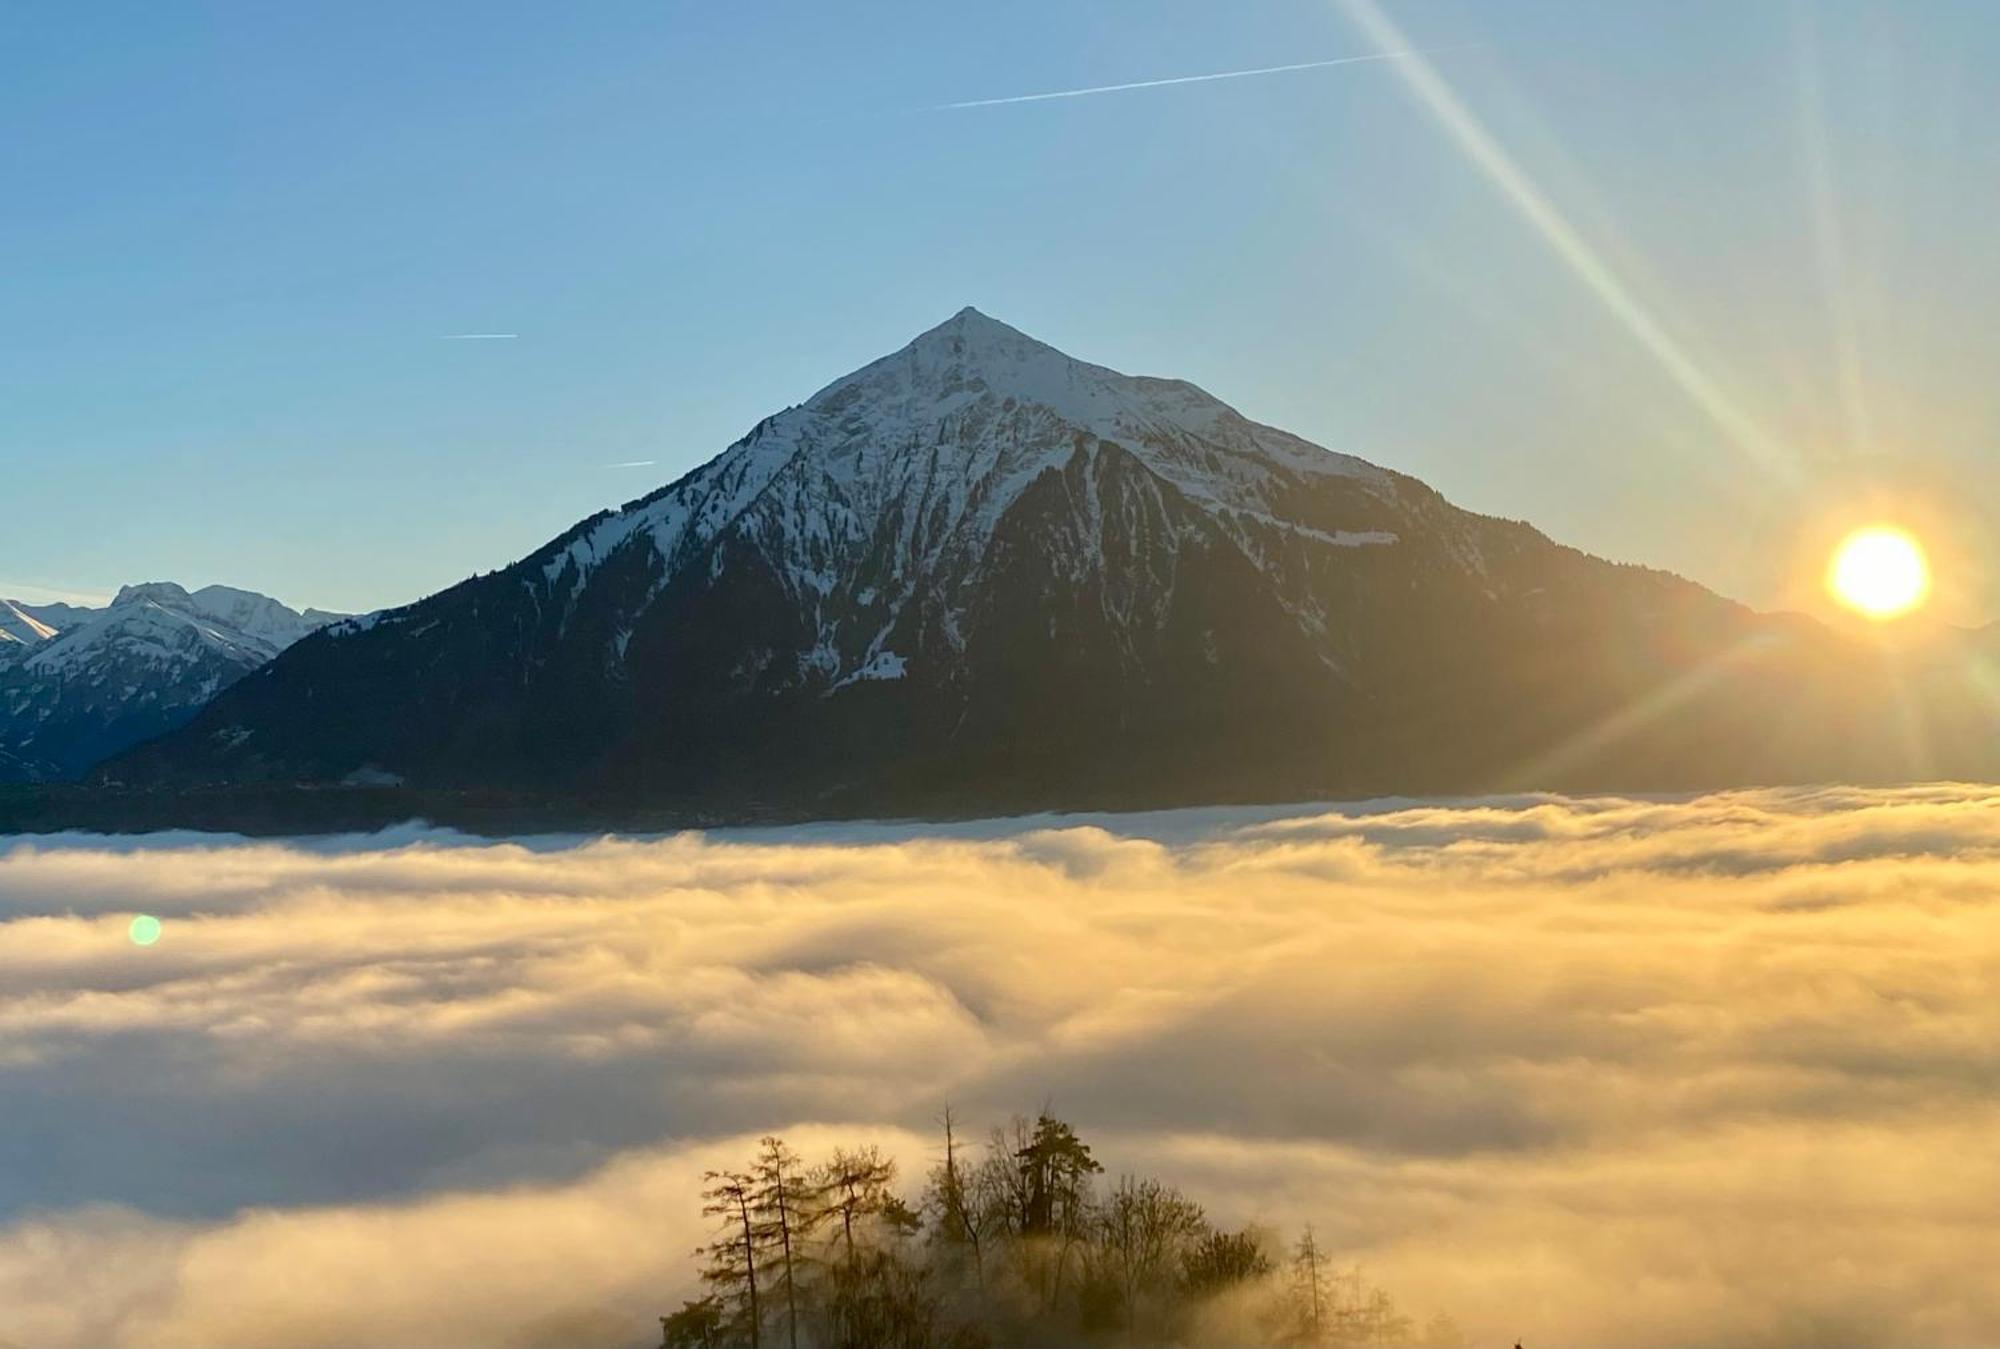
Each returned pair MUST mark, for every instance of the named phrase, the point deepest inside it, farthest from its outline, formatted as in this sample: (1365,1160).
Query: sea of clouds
(1722,1071)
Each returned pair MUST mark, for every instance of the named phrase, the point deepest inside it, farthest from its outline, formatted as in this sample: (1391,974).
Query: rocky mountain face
(78,685)
(979,575)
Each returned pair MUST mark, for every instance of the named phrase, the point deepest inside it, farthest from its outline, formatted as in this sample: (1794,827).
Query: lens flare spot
(1880,572)
(144,931)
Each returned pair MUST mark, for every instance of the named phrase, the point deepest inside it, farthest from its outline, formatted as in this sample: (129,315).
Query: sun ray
(1829,237)
(1521,192)
(1919,757)
(1545,770)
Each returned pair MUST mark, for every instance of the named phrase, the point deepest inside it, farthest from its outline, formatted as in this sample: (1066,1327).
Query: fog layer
(1721,1071)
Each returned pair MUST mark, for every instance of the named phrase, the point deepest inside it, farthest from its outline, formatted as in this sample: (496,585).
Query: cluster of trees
(1025,1243)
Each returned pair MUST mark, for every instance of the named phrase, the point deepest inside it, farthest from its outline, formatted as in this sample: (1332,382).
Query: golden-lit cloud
(1661,1072)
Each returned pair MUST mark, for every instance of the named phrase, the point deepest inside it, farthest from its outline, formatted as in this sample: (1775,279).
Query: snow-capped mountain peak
(888,487)
(136,667)
(259,616)
(162,623)
(152,592)
(975,366)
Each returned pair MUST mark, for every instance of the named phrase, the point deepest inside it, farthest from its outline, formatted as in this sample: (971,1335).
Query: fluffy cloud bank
(1721,1071)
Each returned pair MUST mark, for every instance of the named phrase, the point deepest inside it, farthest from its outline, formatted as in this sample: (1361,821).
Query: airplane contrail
(1177,79)
(478,337)
(634,463)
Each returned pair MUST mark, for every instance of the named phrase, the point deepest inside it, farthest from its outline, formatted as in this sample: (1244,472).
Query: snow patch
(881,665)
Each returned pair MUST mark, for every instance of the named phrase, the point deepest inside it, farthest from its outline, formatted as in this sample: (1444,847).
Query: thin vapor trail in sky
(1178,79)
(634,463)
(478,337)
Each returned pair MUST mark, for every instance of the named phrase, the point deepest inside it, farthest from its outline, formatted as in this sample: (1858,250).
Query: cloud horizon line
(34,594)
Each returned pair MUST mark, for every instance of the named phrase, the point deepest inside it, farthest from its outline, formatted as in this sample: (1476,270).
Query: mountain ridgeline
(979,575)
(80,684)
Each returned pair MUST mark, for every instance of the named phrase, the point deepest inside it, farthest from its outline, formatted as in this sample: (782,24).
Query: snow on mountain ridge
(20,629)
(258,616)
(134,668)
(901,472)
(160,621)
(971,355)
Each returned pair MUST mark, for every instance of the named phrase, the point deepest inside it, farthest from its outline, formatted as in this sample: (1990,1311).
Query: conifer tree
(694,1326)
(731,1268)
(852,1188)
(1309,1286)
(1055,1168)
(783,1212)
(1051,1186)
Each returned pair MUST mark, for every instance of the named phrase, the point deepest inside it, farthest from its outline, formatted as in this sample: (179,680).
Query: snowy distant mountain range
(26,625)
(978,574)
(79,684)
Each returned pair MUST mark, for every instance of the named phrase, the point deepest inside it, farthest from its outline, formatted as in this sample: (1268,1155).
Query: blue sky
(237,235)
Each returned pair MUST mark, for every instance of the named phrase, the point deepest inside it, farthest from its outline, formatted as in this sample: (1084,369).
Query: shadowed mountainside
(981,576)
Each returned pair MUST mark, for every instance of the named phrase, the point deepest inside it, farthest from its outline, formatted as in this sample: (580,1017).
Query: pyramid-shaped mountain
(978,574)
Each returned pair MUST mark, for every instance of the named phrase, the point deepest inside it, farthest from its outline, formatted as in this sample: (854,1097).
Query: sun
(1880,572)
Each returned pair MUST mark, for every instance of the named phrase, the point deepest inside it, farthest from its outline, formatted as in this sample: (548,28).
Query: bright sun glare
(1880,572)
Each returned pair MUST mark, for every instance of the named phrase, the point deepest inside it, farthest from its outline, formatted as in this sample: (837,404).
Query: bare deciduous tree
(1143,1229)
(1220,1260)
(956,1222)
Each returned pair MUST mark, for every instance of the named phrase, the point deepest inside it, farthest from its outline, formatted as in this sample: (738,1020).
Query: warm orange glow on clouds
(1645,1072)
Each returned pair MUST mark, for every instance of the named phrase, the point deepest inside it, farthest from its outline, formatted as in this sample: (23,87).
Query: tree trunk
(750,1270)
